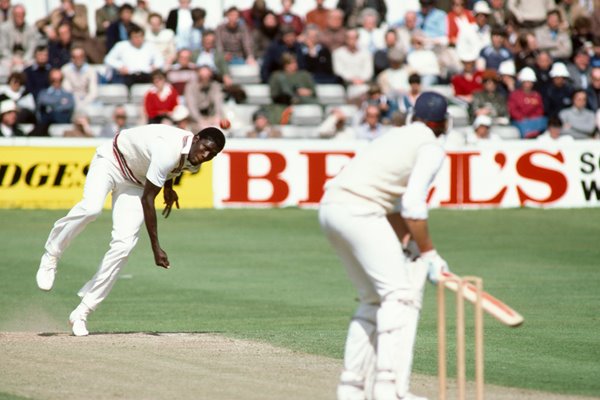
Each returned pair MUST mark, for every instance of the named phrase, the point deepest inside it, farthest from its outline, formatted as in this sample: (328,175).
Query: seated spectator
(213,58)
(141,14)
(469,81)
(370,34)
(334,35)
(526,107)
(265,34)
(481,131)
(36,75)
(287,17)
(134,59)
(458,17)
(498,14)
(15,90)
(352,10)
(353,65)
(570,11)
(407,101)
(554,132)
(553,38)
(160,99)
(81,127)
(433,24)
(180,21)
(80,79)
(18,41)
(105,15)
(161,38)
(183,71)
(530,14)
(318,15)
(582,35)
(559,93)
(593,90)
(118,123)
(490,101)
(253,17)
(393,81)
(234,39)
(578,121)
(381,56)
(261,127)
(542,68)
(291,85)
(204,98)
(5,10)
(508,77)
(371,128)
(494,54)
(476,36)
(287,43)
(407,30)
(336,127)
(8,119)
(317,58)
(580,69)
(119,30)
(180,117)
(595,57)
(526,51)
(423,60)
(54,104)
(59,49)
(193,40)
(388,107)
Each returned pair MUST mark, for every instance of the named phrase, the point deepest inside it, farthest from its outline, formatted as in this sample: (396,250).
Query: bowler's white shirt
(145,59)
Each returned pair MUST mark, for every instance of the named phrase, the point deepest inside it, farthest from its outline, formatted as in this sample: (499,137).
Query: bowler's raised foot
(46,272)
(78,323)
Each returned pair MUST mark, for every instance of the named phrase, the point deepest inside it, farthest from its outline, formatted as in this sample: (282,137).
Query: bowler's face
(202,150)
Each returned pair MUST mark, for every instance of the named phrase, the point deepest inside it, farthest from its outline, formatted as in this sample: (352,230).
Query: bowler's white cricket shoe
(78,323)
(46,272)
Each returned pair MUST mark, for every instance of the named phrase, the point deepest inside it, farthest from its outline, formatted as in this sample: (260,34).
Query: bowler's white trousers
(127,217)
(390,288)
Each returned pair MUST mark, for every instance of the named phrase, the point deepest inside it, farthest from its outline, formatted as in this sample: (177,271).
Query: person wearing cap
(508,77)
(580,69)
(8,119)
(578,121)
(526,107)
(490,101)
(234,39)
(481,131)
(180,117)
(372,209)
(559,93)
(496,52)
(261,127)
(553,37)
(483,31)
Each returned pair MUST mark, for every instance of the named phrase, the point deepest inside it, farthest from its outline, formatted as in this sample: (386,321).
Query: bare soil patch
(177,366)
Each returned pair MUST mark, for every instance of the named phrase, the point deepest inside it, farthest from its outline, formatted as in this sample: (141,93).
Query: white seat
(244,73)
(507,132)
(444,90)
(354,91)
(331,94)
(299,132)
(138,91)
(460,115)
(58,130)
(113,93)
(97,114)
(306,114)
(257,94)
(243,112)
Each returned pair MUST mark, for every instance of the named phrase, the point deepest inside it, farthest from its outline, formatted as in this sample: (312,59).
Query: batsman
(367,212)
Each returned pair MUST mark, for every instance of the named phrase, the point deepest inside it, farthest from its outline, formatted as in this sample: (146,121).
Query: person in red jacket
(526,107)
(160,99)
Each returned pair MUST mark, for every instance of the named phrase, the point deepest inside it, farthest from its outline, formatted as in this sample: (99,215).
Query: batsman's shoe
(46,272)
(78,324)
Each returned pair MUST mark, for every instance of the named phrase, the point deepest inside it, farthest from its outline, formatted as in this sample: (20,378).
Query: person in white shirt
(163,39)
(370,35)
(351,63)
(553,133)
(481,131)
(134,167)
(80,79)
(368,212)
(134,59)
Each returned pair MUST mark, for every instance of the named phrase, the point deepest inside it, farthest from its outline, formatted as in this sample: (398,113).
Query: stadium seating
(299,132)
(113,93)
(306,114)
(259,94)
(138,91)
(58,130)
(331,94)
(244,74)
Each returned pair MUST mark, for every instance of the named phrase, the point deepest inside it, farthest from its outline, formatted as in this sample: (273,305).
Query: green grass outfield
(270,275)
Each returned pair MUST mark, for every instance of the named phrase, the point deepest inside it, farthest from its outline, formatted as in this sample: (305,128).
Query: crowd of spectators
(531,66)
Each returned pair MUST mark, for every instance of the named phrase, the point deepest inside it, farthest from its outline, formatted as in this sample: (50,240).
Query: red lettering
(317,173)
(554,179)
(240,177)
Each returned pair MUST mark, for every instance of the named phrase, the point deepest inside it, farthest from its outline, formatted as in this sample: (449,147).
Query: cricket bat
(496,308)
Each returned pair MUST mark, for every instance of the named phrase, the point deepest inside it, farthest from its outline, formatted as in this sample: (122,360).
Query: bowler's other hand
(170,197)
(161,259)
(436,265)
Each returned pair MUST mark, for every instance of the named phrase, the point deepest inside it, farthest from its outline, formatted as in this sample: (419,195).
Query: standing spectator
(370,35)
(59,50)
(261,127)
(15,91)
(265,34)
(490,101)
(334,35)
(8,119)
(287,17)
(553,38)
(317,58)
(134,59)
(160,99)
(481,131)
(593,90)
(578,121)
(393,81)
(141,15)
(118,123)
(495,53)
(80,79)
(118,30)
(213,58)
(559,93)
(371,128)
(407,102)
(530,14)
(105,15)
(352,10)
(291,85)
(287,43)
(353,65)
(580,69)
(161,38)
(17,41)
(381,56)
(234,39)
(458,17)
(526,107)
(183,71)
(542,68)
(318,15)
(193,41)
(54,104)
(335,126)
(180,20)
(253,17)
(37,73)
(204,98)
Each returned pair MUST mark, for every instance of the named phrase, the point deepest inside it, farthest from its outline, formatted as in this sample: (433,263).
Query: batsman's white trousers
(127,217)
(390,290)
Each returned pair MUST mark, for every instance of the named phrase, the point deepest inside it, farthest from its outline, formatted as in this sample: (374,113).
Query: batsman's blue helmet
(431,106)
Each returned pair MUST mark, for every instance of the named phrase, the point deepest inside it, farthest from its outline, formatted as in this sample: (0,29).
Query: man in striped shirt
(134,168)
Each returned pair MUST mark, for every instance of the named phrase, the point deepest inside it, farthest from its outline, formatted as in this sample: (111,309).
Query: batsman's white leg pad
(417,272)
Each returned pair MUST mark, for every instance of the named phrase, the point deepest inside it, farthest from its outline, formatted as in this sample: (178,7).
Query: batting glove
(436,265)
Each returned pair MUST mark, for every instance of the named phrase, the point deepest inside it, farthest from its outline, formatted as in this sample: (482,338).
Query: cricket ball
(224,123)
